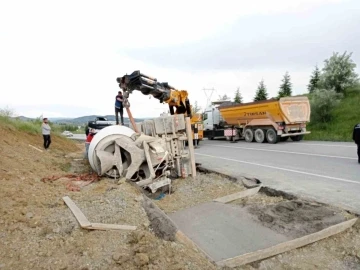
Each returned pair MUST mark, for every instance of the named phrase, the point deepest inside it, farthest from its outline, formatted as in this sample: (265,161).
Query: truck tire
(249,135)
(259,135)
(271,136)
(297,138)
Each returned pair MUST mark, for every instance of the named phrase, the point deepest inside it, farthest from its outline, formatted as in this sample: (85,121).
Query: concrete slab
(224,231)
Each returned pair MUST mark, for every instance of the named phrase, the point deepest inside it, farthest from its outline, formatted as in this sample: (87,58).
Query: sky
(62,58)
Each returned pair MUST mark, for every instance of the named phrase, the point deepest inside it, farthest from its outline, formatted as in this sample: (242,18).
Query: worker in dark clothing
(119,108)
(46,133)
(356,138)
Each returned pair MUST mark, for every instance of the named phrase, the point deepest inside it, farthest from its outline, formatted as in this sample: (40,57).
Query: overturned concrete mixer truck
(153,151)
(262,121)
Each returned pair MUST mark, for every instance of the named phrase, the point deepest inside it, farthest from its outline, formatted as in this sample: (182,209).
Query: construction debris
(77,181)
(35,148)
(86,224)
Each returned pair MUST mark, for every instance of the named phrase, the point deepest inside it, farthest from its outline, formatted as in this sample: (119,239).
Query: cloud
(63,57)
(287,41)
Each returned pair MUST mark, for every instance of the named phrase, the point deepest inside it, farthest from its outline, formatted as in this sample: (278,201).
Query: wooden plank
(191,146)
(83,221)
(102,226)
(35,148)
(238,195)
(286,246)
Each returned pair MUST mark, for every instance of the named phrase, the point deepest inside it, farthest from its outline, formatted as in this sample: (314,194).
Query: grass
(345,116)
(33,127)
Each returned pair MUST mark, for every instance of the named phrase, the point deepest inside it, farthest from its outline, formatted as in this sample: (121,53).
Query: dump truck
(262,121)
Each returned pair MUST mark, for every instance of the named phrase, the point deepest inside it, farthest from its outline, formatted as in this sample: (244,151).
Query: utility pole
(208,93)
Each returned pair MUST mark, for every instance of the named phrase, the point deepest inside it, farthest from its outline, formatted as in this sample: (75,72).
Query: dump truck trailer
(262,121)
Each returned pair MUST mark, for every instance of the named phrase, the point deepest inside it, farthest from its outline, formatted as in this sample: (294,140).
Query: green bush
(343,118)
(322,104)
(339,73)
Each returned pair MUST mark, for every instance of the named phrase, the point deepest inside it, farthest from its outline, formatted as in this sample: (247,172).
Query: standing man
(88,141)
(46,133)
(356,138)
(119,108)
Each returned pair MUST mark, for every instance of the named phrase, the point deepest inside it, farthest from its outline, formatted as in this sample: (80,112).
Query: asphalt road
(78,137)
(326,171)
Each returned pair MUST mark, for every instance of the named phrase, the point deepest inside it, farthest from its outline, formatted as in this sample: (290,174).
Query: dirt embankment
(38,231)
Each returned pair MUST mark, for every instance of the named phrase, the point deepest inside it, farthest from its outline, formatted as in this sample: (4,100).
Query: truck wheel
(297,138)
(271,136)
(249,135)
(259,135)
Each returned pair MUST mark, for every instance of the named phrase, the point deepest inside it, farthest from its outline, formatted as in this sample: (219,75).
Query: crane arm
(160,90)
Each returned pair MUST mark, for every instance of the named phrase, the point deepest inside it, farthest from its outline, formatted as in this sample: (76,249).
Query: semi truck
(269,121)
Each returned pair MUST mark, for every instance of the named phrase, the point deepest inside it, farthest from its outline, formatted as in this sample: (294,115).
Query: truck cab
(212,116)
(98,123)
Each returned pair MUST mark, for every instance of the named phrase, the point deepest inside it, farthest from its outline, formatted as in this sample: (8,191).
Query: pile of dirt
(145,251)
(189,192)
(259,198)
(297,218)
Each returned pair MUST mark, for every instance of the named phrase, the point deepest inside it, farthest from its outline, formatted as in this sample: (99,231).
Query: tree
(322,104)
(285,88)
(261,92)
(196,108)
(339,73)
(238,97)
(224,97)
(314,80)
(7,112)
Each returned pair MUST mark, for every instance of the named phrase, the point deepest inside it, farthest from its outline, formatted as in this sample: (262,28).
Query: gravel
(189,192)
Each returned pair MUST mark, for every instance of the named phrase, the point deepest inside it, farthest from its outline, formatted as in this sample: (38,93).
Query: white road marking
(280,151)
(281,169)
(329,145)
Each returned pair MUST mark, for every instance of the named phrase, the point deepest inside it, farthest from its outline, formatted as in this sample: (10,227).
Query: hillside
(18,159)
(345,116)
(78,120)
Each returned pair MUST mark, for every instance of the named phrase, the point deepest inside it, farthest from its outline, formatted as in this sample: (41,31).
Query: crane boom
(160,90)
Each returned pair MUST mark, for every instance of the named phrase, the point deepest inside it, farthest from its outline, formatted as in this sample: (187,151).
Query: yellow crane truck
(262,121)
(177,100)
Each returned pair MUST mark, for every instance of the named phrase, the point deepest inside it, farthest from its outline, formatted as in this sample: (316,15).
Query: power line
(208,93)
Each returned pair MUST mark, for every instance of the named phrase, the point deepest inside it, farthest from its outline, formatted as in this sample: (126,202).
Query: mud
(160,223)
(277,193)
(297,218)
